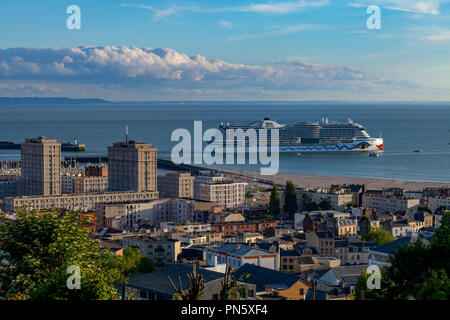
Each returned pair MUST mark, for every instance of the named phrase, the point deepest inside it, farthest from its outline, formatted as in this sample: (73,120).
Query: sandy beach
(314,181)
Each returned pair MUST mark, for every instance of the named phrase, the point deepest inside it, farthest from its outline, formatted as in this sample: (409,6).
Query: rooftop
(241,250)
(263,277)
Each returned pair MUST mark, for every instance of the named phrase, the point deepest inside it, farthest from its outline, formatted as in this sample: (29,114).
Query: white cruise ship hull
(371,144)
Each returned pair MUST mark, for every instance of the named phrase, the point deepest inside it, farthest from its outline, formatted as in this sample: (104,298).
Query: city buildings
(83,184)
(175,184)
(383,203)
(269,281)
(132,166)
(323,241)
(337,199)
(437,202)
(84,202)
(229,228)
(40,167)
(236,255)
(156,286)
(160,251)
(225,193)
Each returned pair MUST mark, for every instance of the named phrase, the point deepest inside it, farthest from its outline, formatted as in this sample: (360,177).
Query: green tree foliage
(424,208)
(436,287)
(352,204)
(134,261)
(325,205)
(290,199)
(274,203)
(419,270)
(363,293)
(312,206)
(379,235)
(39,247)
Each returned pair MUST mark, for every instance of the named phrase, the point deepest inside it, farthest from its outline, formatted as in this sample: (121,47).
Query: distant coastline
(72,101)
(46,101)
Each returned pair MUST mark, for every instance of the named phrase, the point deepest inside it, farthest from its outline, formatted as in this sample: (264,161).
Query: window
(302,291)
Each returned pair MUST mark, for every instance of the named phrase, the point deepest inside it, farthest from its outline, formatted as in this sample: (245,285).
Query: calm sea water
(403,127)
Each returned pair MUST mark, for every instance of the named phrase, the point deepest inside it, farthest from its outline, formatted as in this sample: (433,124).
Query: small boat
(417,151)
(374,154)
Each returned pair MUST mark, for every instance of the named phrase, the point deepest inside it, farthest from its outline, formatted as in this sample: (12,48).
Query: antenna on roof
(126,133)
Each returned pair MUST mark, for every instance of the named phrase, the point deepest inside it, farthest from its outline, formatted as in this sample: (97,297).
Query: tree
(312,206)
(424,208)
(362,292)
(194,291)
(38,249)
(419,270)
(290,199)
(325,205)
(440,209)
(228,284)
(437,287)
(351,204)
(274,203)
(379,235)
(134,261)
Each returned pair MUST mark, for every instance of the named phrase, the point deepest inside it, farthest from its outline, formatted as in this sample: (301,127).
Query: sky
(147,50)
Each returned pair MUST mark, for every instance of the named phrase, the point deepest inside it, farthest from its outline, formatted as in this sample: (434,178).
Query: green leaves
(418,271)
(274,203)
(379,235)
(40,246)
(290,199)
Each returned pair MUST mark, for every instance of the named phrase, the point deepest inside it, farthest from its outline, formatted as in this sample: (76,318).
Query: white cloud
(413,6)
(225,24)
(132,68)
(438,35)
(277,31)
(278,7)
(269,7)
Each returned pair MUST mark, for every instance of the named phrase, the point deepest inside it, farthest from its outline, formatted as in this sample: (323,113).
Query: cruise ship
(320,136)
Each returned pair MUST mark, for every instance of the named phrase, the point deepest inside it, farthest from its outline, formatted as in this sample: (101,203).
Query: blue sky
(227,50)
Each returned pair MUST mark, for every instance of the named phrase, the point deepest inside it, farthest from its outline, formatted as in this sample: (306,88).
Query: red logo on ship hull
(380,146)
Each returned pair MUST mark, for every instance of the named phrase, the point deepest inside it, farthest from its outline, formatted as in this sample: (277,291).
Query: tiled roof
(262,277)
(242,250)
(392,246)
(349,274)
(157,280)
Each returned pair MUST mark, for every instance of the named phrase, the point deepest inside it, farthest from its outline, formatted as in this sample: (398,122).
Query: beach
(316,181)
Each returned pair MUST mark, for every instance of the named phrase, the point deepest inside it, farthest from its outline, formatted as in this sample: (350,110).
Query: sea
(405,127)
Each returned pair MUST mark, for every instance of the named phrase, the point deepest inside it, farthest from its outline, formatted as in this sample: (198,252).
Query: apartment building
(337,199)
(129,215)
(237,255)
(96,171)
(345,227)
(132,166)
(229,228)
(8,185)
(176,184)
(83,184)
(160,251)
(382,203)
(226,194)
(40,167)
(85,202)
(436,202)
(323,241)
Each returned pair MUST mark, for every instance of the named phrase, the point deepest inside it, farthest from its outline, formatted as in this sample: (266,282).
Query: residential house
(267,280)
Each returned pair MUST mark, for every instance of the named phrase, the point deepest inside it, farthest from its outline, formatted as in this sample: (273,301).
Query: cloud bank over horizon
(50,70)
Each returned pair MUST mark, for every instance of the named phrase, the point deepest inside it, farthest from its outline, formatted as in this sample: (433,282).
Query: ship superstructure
(320,136)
